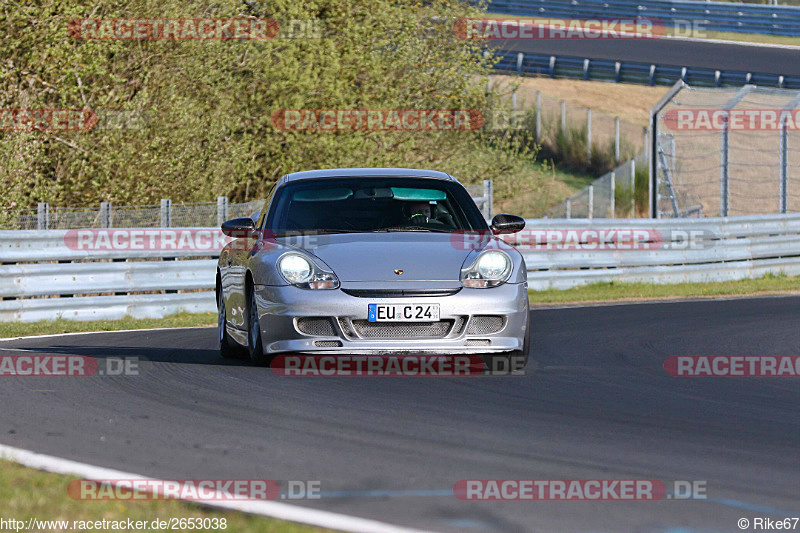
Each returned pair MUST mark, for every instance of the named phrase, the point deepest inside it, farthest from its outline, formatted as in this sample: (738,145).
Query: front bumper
(281,308)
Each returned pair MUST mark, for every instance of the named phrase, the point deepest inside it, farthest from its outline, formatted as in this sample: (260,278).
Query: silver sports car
(372,261)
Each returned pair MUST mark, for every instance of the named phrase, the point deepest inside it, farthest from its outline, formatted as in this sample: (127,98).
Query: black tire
(255,348)
(228,348)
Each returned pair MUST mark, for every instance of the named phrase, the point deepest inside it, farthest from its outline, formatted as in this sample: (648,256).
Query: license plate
(403,312)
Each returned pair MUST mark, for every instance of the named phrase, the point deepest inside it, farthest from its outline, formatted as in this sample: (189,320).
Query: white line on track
(272,509)
(98,332)
(545,307)
(735,43)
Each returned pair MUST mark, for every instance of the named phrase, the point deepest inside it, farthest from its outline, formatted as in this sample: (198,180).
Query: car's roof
(365,173)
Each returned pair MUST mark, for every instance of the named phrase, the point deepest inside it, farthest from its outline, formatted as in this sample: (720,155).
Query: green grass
(573,179)
(48,327)
(615,291)
(26,493)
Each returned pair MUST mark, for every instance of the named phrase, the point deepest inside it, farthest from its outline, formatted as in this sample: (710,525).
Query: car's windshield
(342,205)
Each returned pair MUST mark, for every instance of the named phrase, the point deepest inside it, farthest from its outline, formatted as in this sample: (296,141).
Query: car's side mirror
(507,224)
(239,228)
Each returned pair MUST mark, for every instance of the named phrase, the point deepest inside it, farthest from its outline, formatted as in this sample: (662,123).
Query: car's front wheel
(228,348)
(254,344)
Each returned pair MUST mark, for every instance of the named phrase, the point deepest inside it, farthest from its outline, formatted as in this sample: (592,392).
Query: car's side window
(262,218)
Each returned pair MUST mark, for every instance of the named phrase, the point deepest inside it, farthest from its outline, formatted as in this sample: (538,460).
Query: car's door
(233,270)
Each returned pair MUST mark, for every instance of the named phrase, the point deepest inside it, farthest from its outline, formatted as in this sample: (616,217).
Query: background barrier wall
(43,278)
(713,16)
(633,72)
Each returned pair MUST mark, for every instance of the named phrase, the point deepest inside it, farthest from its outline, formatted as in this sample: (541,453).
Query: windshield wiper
(325,231)
(415,228)
(337,230)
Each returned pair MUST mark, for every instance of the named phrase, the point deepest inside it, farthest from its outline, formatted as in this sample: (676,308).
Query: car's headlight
(305,273)
(490,269)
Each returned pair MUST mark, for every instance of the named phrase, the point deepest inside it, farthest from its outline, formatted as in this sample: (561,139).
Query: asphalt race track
(667,51)
(598,405)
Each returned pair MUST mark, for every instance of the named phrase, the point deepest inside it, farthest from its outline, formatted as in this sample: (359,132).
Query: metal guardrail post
(520,56)
(538,116)
(783,153)
(784,163)
(651,150)
(105,214)
(563,116)
(43,215)
(591,201)
(222,209)
(616,140)
(724,178)
(166,213)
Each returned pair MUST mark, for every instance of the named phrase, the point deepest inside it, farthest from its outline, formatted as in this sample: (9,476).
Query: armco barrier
(80,285)
(632,72)
(107,307)
(720,249)
(42,278)
(712,16)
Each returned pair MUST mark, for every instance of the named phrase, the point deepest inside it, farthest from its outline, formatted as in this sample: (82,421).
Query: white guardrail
(45,275)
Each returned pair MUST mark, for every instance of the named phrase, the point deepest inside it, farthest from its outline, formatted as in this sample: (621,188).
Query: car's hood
(376,256)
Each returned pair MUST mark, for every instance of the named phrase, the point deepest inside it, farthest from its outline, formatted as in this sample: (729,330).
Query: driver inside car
(419,212)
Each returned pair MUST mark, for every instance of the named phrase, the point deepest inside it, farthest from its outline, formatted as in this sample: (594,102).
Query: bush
(568,147)
(208,103)
(641,196)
